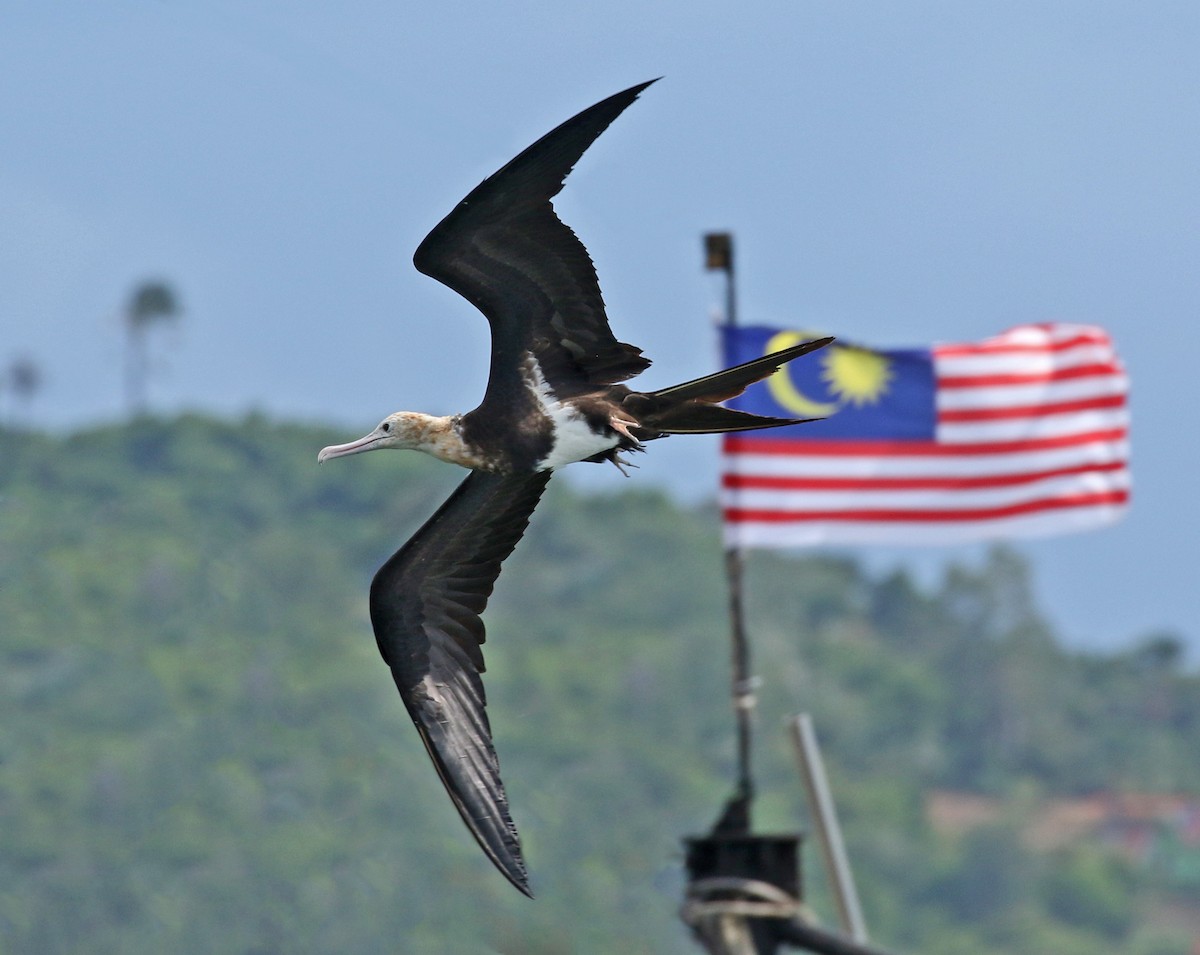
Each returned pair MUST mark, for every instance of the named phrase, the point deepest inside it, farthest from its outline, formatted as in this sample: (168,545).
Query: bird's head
(401,430)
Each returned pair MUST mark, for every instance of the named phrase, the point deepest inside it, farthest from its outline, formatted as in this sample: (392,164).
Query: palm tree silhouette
(22,379)
(152,303)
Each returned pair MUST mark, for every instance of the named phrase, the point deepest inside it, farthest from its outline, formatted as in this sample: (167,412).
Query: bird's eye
(386,426)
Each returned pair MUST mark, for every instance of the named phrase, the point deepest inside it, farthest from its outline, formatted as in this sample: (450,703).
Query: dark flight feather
(505,250)
(425,607)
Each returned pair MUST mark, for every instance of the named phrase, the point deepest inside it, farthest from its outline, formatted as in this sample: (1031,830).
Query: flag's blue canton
(904,411)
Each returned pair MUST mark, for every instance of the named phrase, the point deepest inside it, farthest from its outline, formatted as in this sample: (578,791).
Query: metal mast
(718,256)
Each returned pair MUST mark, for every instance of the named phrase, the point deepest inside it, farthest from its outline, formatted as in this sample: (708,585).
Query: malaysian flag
(1019,435)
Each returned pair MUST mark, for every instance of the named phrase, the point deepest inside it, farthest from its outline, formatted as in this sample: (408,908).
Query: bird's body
(554,397)
(540,427)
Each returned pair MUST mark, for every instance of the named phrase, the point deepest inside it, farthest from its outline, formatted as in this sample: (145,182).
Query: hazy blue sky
(896,173)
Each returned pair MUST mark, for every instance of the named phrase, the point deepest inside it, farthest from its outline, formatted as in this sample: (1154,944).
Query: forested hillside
(201,752)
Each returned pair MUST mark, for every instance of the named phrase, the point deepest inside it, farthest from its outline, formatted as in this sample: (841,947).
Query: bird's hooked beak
(366,443)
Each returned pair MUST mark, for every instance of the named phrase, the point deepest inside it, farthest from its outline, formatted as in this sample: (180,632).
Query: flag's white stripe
(948,465)
(1020,363)
(810,533)
(869,498)
(1025,429)
(1040,393)
(1049,333)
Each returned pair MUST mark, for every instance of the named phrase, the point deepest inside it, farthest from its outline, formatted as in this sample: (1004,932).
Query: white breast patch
(574,440)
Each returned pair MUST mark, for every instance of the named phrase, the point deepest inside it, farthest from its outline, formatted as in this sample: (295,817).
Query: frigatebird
(554,396)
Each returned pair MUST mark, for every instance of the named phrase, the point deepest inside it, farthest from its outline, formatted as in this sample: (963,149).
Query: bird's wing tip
(511,865)
(639,88)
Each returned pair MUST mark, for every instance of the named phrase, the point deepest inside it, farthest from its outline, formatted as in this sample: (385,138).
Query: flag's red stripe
(799,447)
(1030,411)
(740,515)
(780,483)
(1014,348)
(1028,378)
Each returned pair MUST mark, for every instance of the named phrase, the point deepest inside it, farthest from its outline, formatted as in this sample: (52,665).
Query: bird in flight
(554,396)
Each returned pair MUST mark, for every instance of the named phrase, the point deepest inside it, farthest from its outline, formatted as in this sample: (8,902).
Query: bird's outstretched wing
(505,250)
(425,607)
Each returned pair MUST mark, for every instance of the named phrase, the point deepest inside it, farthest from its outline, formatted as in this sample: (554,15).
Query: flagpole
(718,256)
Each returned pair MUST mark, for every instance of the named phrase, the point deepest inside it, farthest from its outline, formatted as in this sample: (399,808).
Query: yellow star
(855,375)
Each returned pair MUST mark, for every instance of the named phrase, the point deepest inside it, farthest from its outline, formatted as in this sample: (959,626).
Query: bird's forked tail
(691,408)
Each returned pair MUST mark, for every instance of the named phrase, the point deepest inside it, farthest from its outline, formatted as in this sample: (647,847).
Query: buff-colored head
(404,430)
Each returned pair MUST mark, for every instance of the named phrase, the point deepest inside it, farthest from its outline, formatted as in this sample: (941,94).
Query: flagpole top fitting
(718,251)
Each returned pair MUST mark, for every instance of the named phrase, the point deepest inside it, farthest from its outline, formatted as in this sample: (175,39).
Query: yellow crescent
(782,388)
